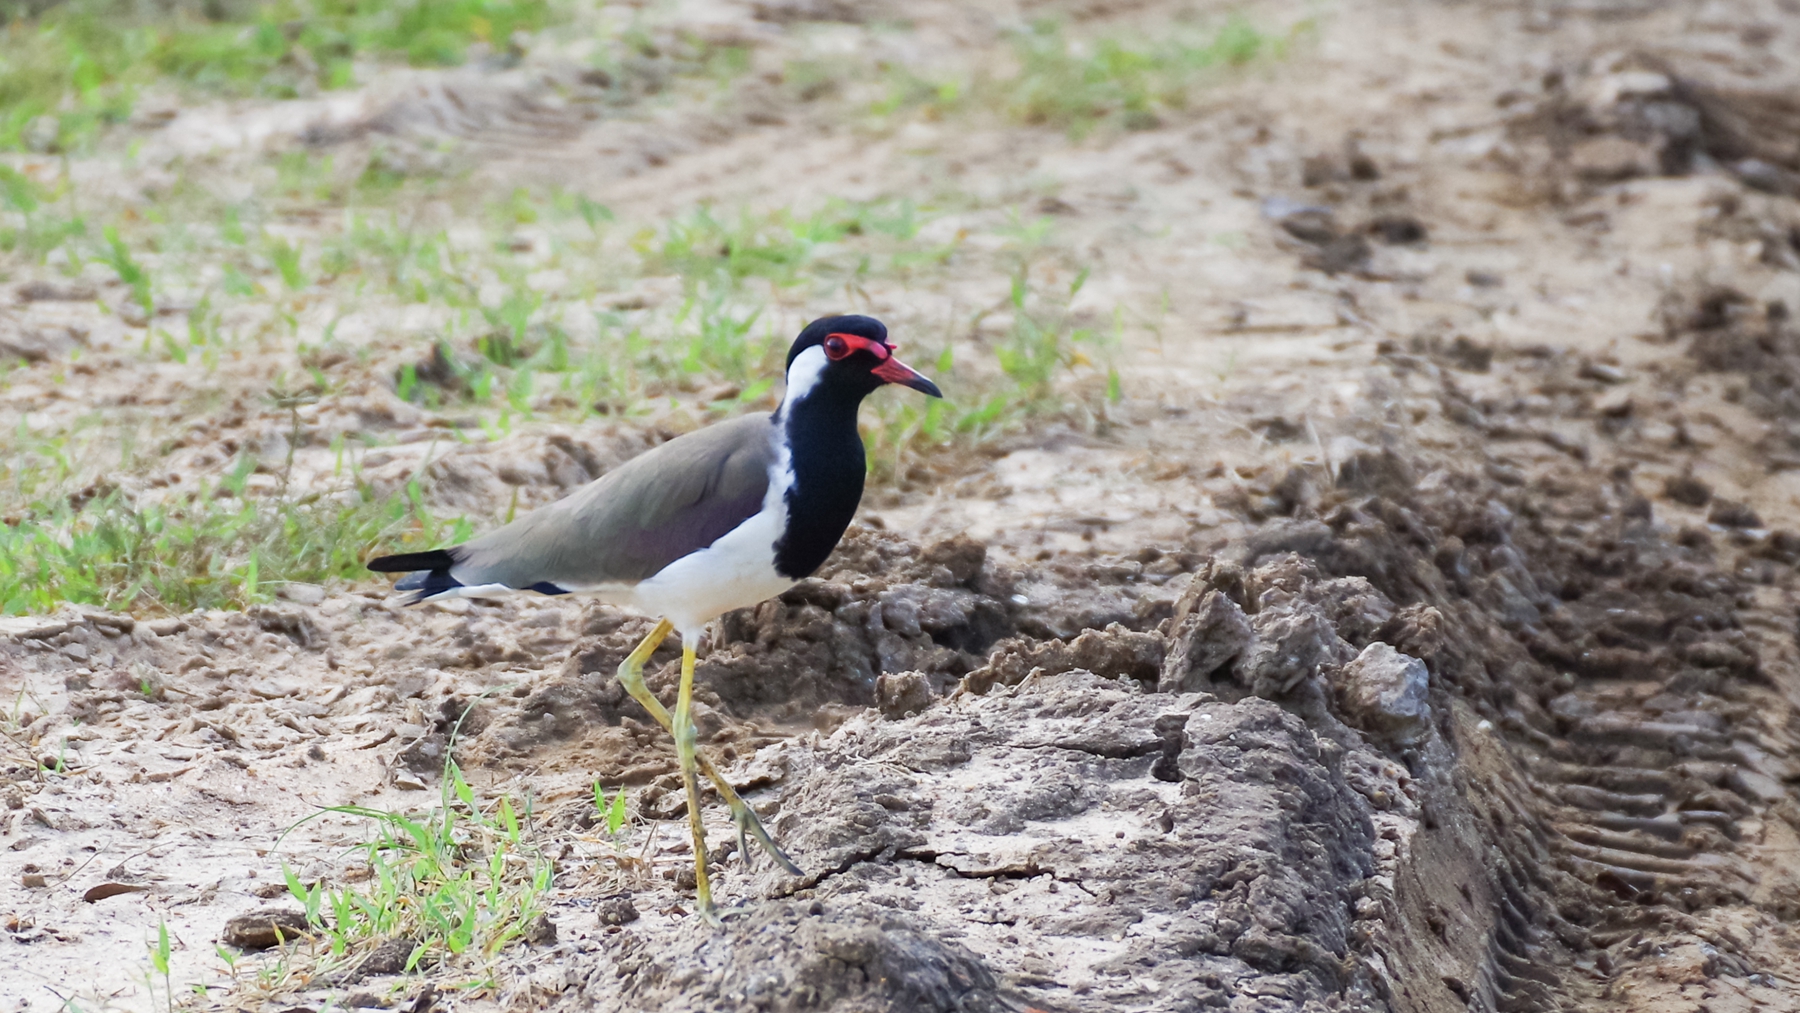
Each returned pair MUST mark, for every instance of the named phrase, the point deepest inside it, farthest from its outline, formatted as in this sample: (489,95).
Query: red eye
(836,347)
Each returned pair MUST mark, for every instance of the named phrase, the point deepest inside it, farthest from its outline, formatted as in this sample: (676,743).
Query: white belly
(735,572)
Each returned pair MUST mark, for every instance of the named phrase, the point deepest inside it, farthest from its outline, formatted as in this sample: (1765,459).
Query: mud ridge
(1444,745)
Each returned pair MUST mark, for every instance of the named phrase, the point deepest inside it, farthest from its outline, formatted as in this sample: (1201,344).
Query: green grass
(81,65)
(37,220)
(462,883)
(218,547)
(782,248)
(514,349)
(160,952)
(612,812)
(196,553)
(1046,365)
(1079,85)
(511,357)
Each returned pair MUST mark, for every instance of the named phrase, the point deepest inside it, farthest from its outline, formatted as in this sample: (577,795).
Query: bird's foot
(748,825)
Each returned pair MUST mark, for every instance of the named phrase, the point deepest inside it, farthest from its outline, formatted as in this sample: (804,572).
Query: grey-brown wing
(636,519)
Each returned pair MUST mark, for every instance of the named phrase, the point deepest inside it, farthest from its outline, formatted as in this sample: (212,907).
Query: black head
(854,356)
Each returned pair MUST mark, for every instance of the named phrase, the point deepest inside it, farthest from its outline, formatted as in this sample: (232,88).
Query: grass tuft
(1077,87)
(79,66)
(1045,364)
(1081,85)
(217,548)
(460,884)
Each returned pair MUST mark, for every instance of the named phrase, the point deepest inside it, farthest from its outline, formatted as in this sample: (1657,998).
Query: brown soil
(1418,634)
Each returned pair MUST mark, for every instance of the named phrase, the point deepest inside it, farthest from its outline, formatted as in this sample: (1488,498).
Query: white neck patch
(804,375)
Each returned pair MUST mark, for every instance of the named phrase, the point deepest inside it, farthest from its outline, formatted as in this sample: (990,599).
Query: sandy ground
(1484,306)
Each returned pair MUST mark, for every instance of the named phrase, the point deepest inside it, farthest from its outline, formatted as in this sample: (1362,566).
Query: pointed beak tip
(895,371)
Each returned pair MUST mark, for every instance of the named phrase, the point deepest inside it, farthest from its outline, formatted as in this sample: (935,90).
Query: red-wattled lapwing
(715,520)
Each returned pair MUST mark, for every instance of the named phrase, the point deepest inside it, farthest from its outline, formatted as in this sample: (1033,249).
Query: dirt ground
(1417,633)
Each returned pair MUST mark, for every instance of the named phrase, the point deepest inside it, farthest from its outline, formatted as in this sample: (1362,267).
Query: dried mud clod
(1727,332)
(1624,115)
(1115,653)
(260,930)
(886,623)
(798,955)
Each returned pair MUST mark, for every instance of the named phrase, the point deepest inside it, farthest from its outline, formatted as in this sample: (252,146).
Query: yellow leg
(631,676)
(683,730)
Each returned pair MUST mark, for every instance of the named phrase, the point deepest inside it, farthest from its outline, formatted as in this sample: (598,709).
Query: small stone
(1769,178)
(1603,372)
(1290,645)
(1616,404)
(1118,653)
(616,910)
(961,555)
(32,627)
(1609,158)
(1311,225)
(1398,230)
(260,930)
(167,627)
(1385,693)
(1417,630)
(1729,514)
(33,880)
(542,931)
(388,958)
(901,693)
(1343,254)
(118,621)
(406,780)
(1469,355)
(1688,491)
(38,290)
(301,593)
(1376,471)
(1207,638)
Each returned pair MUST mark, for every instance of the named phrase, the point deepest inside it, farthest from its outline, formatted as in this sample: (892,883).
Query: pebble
(259,930)
(1386,693)
(302,593)
(616,910)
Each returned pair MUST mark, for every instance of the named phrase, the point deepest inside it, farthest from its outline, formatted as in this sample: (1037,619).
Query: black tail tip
(408,562)
(427,573)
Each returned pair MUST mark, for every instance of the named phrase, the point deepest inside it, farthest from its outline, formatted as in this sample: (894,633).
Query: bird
(718,519)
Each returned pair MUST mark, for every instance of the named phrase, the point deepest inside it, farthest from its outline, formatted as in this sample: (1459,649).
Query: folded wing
(624,527)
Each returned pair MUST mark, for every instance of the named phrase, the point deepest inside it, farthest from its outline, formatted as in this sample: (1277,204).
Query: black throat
(827,460)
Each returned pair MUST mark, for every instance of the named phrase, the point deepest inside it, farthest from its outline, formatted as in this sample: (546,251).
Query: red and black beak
(892,370)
